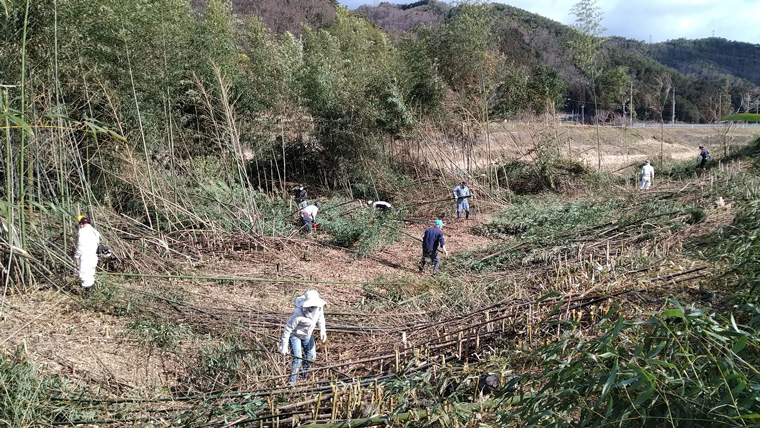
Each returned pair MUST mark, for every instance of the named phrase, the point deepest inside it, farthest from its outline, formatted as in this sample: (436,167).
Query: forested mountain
(711,77)
(405,17)
(282,15)
(710,58)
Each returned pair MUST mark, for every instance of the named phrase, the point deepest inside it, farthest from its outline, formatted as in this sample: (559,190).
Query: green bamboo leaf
(116,136)
(673,313)
(20,123)
(660,363)
(610,381)
(547,296)
(739,388)
(644,396)
(740,344)
(94,127)
(736,327)
(657,350)
(750,416)
(612,334)
(696,313)
(628,381)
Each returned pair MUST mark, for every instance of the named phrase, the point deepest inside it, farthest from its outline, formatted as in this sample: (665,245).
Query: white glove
(284,350)
(323,335)
(445,252)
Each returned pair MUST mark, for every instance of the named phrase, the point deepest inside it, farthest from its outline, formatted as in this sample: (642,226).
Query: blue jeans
(462,205)
(297,348)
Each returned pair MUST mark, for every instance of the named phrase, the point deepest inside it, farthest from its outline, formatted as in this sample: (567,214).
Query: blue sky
(657,20)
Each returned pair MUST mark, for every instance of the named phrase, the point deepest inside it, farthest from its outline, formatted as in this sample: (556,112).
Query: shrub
(681,367)
(159,333)
(222,364)
(363,230)
(552,174)
(26,398)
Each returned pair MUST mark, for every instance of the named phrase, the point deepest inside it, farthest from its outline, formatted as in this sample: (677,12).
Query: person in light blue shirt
(461,194)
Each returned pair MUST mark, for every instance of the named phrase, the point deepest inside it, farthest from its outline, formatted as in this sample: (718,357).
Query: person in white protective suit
(647,176)
(298,333)
(86,255)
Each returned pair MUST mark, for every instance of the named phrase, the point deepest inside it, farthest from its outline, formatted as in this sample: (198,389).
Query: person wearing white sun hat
(299,333)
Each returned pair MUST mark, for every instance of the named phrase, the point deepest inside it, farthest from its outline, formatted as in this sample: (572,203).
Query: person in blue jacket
(704,156)
(431,241)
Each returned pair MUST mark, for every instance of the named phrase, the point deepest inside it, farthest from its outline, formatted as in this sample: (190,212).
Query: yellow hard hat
(82,218)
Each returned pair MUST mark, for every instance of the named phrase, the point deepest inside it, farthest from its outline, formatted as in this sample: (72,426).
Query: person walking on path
(461,193)
(647,176)
(704,156)
(299,333)
(300,196)
(309,216)
(86,255)
(431,241)
(380,206)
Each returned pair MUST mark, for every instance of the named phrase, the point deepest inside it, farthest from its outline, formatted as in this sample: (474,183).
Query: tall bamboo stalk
(142,137)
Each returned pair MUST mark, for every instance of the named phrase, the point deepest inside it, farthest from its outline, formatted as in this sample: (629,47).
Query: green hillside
(712,57)
(707,84)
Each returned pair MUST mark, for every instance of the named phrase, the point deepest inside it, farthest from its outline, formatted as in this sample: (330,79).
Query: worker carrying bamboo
(86,255)
(298,333)
(704,156)
(301,196)
(647,176)
(431,241)
(309,216)
(461,194)
(380,206)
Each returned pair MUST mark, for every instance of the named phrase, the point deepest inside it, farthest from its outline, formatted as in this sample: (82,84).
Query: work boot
(467,216)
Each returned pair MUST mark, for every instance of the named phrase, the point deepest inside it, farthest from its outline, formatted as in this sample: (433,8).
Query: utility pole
(673,116)
(630,108)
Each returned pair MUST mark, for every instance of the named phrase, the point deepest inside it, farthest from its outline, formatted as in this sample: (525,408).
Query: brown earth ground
(97,349)
(66,337)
